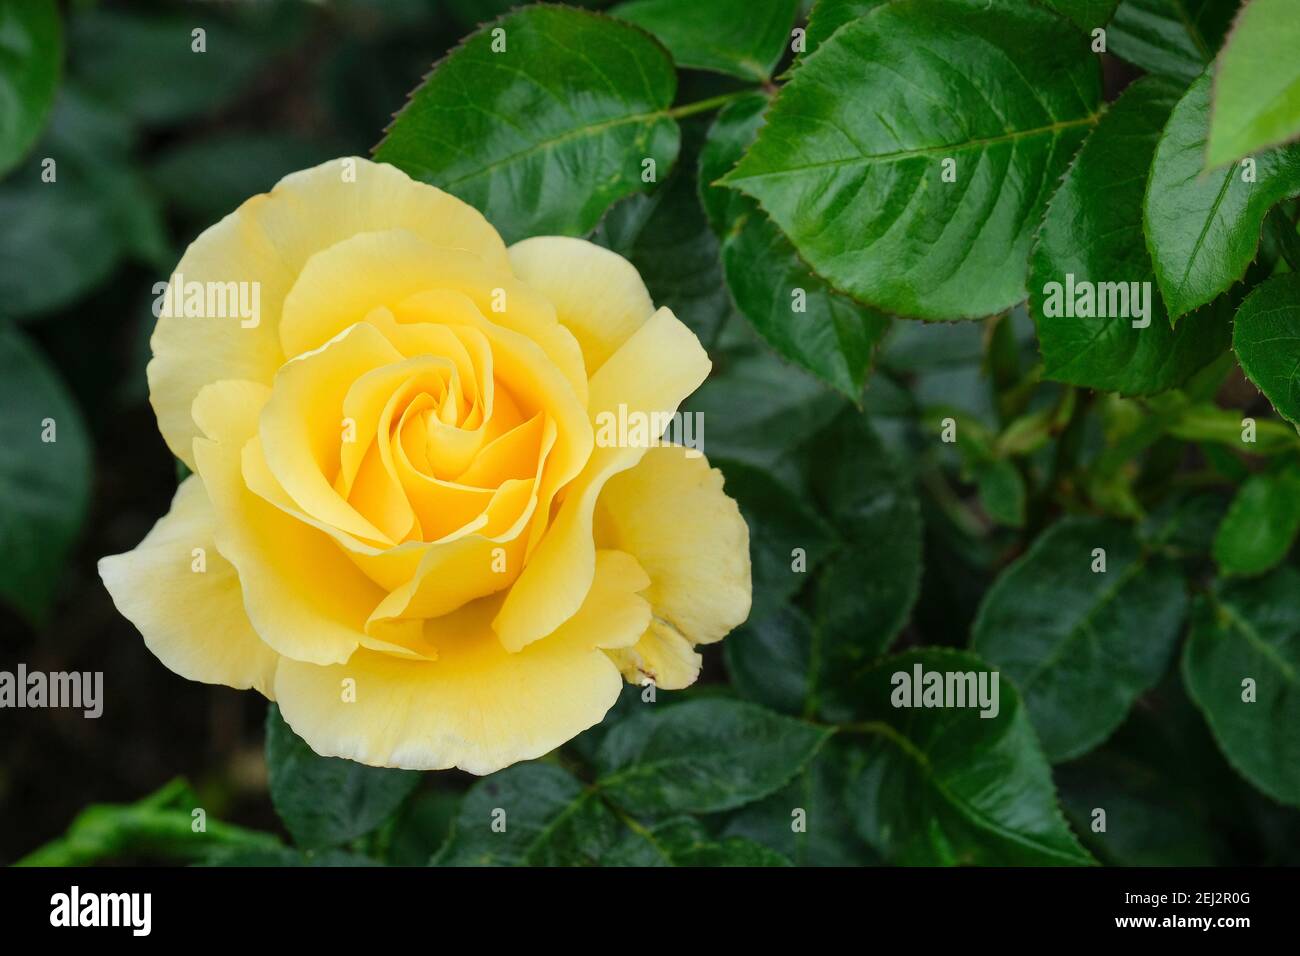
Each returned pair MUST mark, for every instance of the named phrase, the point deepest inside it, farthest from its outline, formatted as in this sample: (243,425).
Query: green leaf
(769,660)
(1176,38)
(1002,492)
(1257,83)
(702,756)
(530,814)
(758,408)
(45,476)
(1093,232)
(665,235)
(861,195)
(683,841)
(32,55)
(794,311)
(829,15)
(328,801)
(1266,338)
(736,37)
(1184,525)
(943,785)
(1066,633)
(422,827)
(1250,629)
(733,131)
(864,593)
(779,521)
(1087,14)
(1156,782)
(1203,228)
(1261,524)
(797,313)
(825,835)
(543,137)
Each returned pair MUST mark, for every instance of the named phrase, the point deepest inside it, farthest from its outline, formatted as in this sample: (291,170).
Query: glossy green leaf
(1257,83)
(1241,665)
(544,136)
(829,15)
(794,311)
(702,756)
(31,54)
(530,814)
(861,194)
(1266,338)
(797,313)
(944,786)
(1203,228)
(1261,524)
(45,475)
(736,37)
(1066,633)
(683,841)
(327,801)
(1087,14)
(1174,37)
(1091,241)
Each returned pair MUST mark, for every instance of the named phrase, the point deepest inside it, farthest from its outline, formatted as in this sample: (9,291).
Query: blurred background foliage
(153,144)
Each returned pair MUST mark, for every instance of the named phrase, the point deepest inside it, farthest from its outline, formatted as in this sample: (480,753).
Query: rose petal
(193,621)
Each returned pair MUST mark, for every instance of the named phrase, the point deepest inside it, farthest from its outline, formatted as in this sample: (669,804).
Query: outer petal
(597,293)
(478,707)
(267,241)
(654,370)
(193,621)
(661,656)
(304,596)
(671,514)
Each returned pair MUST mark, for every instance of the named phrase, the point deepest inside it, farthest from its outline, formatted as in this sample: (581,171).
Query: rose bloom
(400,524)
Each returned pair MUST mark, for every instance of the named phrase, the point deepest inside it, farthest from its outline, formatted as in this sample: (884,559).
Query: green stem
(704,106)
(161,826)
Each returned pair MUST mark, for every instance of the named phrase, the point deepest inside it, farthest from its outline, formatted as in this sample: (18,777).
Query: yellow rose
(402,523)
